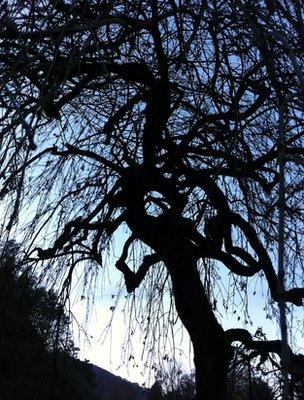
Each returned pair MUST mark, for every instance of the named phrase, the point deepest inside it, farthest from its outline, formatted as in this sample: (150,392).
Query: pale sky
(106,351)
(111,349)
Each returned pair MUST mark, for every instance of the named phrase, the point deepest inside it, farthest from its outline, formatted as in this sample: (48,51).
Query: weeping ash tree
(166,118)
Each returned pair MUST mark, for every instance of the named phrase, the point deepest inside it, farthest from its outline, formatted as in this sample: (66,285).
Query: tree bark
(211,371)
(211,350)
(168,237)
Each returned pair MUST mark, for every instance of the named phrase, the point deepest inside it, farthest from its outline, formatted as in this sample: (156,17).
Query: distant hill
(112,387)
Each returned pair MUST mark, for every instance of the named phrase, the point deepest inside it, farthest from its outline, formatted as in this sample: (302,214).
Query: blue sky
(112,350)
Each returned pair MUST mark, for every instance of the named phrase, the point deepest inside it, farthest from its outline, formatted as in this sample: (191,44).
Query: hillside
(112,387)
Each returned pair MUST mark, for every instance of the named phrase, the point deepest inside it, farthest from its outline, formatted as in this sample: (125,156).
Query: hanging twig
(281,248)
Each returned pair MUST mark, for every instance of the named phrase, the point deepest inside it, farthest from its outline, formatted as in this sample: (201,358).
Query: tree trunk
(211,370)
(211,350)
(167,236)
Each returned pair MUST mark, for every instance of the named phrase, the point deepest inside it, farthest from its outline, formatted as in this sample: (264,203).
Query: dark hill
(112,387)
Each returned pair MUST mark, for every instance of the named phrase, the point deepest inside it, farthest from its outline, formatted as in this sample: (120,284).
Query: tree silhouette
(165,118)
(172,384)
(37,354)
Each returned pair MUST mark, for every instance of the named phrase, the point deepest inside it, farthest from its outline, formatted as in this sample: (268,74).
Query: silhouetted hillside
(38,358)
(112,387)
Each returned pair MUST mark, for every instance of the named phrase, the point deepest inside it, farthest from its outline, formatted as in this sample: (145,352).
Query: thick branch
(66,239)
(66,30)
(134,279)
(263,348)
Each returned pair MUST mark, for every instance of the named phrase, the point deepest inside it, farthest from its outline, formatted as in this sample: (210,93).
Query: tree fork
(212,351)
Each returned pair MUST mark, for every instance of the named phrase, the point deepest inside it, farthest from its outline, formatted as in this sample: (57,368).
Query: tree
(172,384)
(37,354)
(166,118)
(155,393)
(243,381)
(185,389)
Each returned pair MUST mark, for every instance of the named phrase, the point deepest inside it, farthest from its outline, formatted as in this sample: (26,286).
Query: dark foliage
(241,386)
(37,354)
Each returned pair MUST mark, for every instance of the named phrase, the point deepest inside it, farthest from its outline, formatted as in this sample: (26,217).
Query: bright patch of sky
(113,350)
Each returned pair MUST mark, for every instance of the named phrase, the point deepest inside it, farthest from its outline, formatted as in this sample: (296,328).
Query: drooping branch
(263,348)
(134,279)
(69,237)
(115,118)
(190,97)
(12,32)
(73,150)
(129,23)
(228,218)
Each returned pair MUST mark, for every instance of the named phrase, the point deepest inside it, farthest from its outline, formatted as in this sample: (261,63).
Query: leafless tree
(163,117)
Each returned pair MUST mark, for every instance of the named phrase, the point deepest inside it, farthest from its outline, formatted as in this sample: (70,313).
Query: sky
(111,348)
(109,351)
(108,346)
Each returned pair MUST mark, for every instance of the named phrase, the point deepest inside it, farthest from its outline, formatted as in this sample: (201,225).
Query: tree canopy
(166,118)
